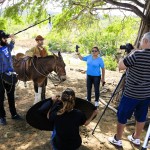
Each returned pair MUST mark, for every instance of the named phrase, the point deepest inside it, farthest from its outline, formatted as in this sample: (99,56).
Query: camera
(128,47)
(77,47)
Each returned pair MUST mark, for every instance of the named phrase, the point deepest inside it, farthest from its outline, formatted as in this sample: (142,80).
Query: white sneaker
(113,141)
(134,141)
(96,104)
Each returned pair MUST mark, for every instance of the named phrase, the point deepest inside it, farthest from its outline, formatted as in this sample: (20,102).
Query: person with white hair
(136,94)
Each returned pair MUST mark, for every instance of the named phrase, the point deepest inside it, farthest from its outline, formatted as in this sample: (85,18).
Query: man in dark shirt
(136,95)
(6,67)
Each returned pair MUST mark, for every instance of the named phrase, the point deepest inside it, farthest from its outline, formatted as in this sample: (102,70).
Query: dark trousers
(10,89)
(96,81)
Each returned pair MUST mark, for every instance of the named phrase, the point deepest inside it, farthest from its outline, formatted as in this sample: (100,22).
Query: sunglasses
(94,51)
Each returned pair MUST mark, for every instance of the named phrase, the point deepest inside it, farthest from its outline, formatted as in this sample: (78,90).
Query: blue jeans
(96,81)
(51,141)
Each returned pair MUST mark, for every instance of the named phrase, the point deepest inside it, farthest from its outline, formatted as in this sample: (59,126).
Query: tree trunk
(144,26)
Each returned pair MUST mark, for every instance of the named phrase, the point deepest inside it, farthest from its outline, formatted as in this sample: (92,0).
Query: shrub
(110,63)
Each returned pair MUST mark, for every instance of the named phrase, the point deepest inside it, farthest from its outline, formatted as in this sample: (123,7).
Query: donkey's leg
(44,89)
(43,92)
(37,91)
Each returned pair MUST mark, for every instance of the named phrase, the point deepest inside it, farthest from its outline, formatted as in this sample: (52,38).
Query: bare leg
(120,129)
(138,129)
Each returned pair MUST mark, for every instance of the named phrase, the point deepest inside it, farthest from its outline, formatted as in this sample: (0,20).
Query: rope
(47,76)
(37,69)
(11,85)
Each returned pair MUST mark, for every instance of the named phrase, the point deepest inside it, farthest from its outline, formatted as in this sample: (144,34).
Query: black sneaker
(3,121)
(17,117)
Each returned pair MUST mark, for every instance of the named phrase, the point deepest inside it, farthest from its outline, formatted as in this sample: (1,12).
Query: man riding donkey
(39,51)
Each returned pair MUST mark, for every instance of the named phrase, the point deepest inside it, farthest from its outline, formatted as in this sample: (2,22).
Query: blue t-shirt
(6,64)
(94,65)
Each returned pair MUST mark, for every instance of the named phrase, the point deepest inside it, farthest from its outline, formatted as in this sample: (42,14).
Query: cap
(3,34)
(39,37)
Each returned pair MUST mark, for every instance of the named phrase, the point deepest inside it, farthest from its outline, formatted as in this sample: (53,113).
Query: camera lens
(123,47)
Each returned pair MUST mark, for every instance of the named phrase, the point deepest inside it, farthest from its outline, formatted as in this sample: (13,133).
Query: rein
(49,76)
(37,69)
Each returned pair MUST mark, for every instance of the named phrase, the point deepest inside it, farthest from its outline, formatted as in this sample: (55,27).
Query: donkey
(37,69)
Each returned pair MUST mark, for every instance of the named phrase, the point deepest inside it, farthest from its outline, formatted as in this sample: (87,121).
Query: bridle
(48,75)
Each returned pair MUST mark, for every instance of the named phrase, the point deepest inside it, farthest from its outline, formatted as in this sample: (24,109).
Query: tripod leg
(102,115)
(144,147)
(123,76)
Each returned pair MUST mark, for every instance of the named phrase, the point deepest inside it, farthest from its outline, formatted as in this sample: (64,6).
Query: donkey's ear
(59,54)
(54,54)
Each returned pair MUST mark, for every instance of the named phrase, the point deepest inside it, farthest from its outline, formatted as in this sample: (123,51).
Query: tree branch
(78,15)
(2,1)
(137,2)
(126,5)
(79,4)
(112,8)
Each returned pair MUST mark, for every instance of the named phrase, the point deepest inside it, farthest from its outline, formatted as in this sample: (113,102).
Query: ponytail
(68,99)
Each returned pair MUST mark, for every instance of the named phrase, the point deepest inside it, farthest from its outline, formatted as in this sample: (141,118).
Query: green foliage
(25,11)
(59,41)
(2,24)
(108,36)
(77,24)
(110,63)
(13,12)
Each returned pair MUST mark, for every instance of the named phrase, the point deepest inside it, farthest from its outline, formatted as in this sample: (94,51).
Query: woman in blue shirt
(95,73)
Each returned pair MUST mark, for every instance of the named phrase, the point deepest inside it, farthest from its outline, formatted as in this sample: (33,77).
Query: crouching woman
(67,121)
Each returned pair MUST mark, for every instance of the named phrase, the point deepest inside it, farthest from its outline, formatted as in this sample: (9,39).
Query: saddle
(23,62)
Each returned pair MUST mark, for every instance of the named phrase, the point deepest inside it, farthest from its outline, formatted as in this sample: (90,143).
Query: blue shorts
(128,106)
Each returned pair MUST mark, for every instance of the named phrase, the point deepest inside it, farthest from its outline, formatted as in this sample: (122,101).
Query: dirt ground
(18,135)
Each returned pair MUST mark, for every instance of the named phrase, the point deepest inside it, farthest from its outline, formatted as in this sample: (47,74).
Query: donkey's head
(59,67)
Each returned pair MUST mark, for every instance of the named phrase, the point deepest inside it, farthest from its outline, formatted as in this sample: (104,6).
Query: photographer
(136,95)
(6,69)
(94,66)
